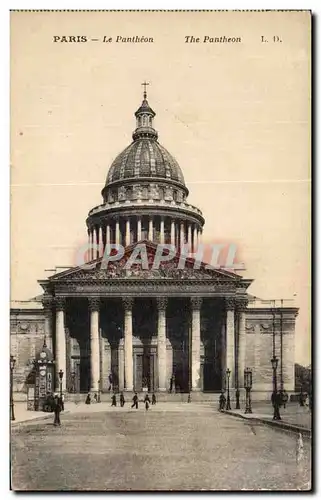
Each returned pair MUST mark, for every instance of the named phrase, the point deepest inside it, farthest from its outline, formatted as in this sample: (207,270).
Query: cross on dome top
(145,85)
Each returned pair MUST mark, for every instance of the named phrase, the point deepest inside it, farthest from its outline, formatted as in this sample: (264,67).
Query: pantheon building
(161,329)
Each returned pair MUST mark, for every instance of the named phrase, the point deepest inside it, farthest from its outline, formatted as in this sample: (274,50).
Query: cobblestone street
(186,447)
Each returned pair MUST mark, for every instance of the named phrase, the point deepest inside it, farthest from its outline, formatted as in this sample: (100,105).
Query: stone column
(117,233)
(107,234)
(196,303)
(189,236)
(230,339)
(139,229)
(241,306)
(94,344)
(121,368)
(182,235)
(128,343)
(92,243)
(100,242)
(95,251)
(223,353)
(89,249)
(150,229)
(195,243)
(161,343)
(162,231)
(127,235)
(173,232)
(47,303)
(60,354)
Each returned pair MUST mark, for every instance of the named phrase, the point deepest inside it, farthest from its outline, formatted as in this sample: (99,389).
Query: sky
(235,116)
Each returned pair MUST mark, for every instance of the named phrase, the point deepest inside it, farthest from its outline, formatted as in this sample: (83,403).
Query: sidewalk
(294,417)
(23,415)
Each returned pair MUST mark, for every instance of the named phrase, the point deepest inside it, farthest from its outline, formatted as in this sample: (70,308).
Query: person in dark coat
(153,399)
(276,400)
(146,401)
(301,398)
(113,400)
(285,398)
(57,410)
(135,401)
(222,401)
(110,380)
(88,399)
(122,399)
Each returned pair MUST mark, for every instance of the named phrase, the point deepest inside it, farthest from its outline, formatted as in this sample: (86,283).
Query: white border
(4,192)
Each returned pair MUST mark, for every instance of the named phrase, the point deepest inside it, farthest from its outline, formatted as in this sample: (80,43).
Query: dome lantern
(144,120)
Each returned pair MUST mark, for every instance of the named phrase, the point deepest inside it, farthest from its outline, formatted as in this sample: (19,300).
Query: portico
(145,331)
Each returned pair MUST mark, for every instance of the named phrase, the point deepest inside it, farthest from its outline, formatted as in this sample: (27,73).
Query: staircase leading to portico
(160,397)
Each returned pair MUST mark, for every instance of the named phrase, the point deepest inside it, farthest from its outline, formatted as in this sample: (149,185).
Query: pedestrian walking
(88,399)
(153,399)
(302,398)
(122,399)
(222,401)
(276,400)
(110,379)
(172,383)
(135,401)
(285,398)
(57,410)
(113,400)
(146,401)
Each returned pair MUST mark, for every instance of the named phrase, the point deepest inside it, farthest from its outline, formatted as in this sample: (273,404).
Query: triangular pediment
(141,261)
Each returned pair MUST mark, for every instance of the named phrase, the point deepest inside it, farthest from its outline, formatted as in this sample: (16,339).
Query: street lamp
(275,400)
(99,391)
(12,365)
(248,387)
(61,374)
(73,382)
(228,401)
(237,398)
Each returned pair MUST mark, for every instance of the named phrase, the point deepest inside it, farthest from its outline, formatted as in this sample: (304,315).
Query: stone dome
(145,157)
(145,196)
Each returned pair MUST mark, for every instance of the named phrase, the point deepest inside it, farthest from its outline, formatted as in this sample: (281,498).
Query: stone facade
(159,328)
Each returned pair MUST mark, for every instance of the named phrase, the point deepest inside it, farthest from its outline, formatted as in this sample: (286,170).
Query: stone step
(160,397)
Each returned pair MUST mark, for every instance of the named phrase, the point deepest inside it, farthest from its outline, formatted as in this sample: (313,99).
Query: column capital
(241,304)
(230,303)
(196,302)
(47,303)
(161,303)
(60,303)
(128,303)
(93,304)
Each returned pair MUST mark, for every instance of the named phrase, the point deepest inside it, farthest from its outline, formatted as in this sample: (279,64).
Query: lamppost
(248,387)
(237,397)
(61,375)
(228,401)
(12,365)
(275,399)
(73,382)
(99,390)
